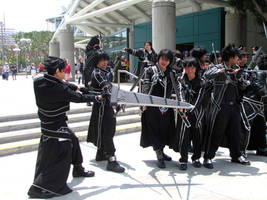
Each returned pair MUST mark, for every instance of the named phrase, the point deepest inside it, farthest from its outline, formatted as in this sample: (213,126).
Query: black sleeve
(212,73)
(77,97)
(147,80)
(259,84)
(72,86)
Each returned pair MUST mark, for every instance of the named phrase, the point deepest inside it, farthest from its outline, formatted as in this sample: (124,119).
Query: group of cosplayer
(228,99)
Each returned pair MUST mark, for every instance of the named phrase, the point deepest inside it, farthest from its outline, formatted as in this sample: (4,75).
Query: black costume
(157,123)
(59,147)
(192,92)
(102,125)
(254,122)
(224,112)
(145,58)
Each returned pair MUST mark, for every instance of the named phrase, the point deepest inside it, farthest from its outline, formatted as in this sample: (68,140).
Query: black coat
(102,125)
(142,56)
(55,153)
(158,124)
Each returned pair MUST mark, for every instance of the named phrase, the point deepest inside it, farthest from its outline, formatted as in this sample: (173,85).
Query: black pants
(77,157)
(227,123)
(87,77)
(191,134)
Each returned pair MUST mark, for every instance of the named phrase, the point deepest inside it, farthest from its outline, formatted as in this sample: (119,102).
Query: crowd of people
(228,99)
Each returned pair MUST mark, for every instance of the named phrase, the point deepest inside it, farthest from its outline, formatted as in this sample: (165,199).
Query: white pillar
(234,29)
(54,49)
(131,45)
(163,25)
(66,44)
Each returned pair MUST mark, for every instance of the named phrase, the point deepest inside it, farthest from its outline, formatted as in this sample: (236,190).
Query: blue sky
(30,15)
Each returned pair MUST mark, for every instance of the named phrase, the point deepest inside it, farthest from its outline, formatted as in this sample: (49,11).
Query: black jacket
(53,99)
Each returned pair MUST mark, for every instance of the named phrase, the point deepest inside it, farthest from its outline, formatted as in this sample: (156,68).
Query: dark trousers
(77,157)
(87,77)
(227,123)
(191,134)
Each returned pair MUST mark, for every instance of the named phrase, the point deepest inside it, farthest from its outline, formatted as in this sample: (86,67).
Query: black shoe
(79,171)
(196,163)
(261,153)
(243,153)
(100,156)
(182,166)
(241,160)
(37,193)
(166,157)
(208,163)
(115,167)
(89,104)
(160,157)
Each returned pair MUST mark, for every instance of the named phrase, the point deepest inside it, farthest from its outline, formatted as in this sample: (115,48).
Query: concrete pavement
(142,179)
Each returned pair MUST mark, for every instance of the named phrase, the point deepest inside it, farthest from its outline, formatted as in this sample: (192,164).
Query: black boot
(79,171)
(100,156)
(208,163)
(114,166)
(262,152)
(166,157)
(38,193)
(160,157)
(183,166)
(241,160)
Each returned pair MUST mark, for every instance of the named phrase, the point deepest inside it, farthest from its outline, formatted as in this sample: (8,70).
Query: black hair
(150,43)
(256,48)
(177,54)
(212,56)
(198,52)
(229,52)
(166,53)
(262,62)
(94,40)
(191,61)
(102,56)
(53,63)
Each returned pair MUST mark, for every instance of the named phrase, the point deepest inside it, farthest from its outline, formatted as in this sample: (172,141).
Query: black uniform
(224,113)
(143,55)
(192,92)
(157,123)
(90,63)
(253,119)
(59,147)
(102,125)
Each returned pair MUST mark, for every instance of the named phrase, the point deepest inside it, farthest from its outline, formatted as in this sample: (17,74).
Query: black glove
(84,90)
(128,50)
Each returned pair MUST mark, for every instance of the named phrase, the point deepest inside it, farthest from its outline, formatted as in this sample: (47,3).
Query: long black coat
(55,151)
(158,124)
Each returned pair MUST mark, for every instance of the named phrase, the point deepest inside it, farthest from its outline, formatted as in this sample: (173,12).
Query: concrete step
(32,133)
(24,124)
(34,115)
(32,144)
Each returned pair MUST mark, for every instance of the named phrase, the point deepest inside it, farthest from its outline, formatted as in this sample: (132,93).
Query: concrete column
(234,29)
(163,25)
(131,45)
(54,49)
(66,44)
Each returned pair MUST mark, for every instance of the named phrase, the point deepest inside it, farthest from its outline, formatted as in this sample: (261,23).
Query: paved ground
(142,179)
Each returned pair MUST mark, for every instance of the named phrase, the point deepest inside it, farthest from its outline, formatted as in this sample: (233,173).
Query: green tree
(257,7)
(37,50)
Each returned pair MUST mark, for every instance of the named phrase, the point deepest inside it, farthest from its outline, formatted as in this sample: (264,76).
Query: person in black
(158,123)
(102,125)
(80,70)
(147,57)
(192,92)
(254,121)
(91,51)
(224,117)
(200,54)
(59,147)
(213,60)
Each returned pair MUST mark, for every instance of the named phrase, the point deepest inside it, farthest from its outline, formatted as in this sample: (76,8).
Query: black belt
(229,103)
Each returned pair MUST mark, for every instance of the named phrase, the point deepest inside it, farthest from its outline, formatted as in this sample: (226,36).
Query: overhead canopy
(109,16)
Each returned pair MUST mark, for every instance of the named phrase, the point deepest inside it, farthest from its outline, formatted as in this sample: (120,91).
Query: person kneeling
(59,146)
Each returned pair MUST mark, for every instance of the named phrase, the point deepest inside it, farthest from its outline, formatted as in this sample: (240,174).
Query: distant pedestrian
(67,70)
(6,71)
(14,73)
(33,70)
(41,68)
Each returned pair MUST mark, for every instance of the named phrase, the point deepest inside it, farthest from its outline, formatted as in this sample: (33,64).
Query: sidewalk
(142,179)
